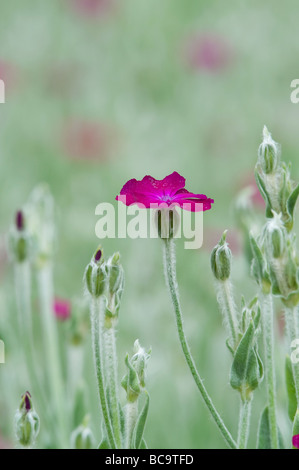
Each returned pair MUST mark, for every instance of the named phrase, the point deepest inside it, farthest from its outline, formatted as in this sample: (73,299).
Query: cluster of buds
(26,422)
(106,278)
(247,369)
(274,182)
(134,380)
(275,264)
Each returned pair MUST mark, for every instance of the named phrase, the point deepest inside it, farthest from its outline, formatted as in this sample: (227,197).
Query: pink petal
(193,202)
(295,441)
(149,190)
(62,309)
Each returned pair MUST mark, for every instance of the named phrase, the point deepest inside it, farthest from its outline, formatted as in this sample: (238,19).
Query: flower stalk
(267,319)
(244,422)
(170,274)
(55,379)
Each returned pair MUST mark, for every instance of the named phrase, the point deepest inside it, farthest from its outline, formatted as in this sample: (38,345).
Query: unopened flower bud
(221,259)
(139,361)
(82,437)
(19,241)
(20,221)
(133,381)
(275,236)
(259,267)
(116,274)
(96,274)
(39,212)
(26,422)
(268,153)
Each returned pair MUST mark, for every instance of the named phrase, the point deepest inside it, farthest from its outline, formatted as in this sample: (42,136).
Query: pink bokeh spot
(9,74)
(86,140)
(208,52)
(295,441)
(248,181)
(92,8)
(62,309)
(169,191)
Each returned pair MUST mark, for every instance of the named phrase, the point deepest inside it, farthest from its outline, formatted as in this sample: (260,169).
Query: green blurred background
(101,91)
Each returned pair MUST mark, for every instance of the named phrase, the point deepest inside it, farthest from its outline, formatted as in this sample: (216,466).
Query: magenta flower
(150,193)
(62,309)
(295,441)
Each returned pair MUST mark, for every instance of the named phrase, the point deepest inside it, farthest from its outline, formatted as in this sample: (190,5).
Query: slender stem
(131,418)
(244,421)
(22,273)
(96,310)
(45,291)
(292,325)
(226,302)
(170,274)
(268,337)
(111,376)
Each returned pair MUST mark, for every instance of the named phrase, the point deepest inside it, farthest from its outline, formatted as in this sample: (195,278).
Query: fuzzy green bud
(19,240)
(116,274)
(82,437)
(26,422)
(275,237)
(133,382)
(96,274)
(268,153)
(221,259)
(40,215)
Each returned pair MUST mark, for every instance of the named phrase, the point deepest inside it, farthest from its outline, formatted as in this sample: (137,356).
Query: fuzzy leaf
(143,445)
(104,444)
(140,425)
(261,185)
(264,437)
(238,371)
(291,202)
(291,390)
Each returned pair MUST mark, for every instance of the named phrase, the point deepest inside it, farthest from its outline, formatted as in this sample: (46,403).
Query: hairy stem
(292,325)
(227,305)
(54,370)
(22,273)
(131,418)
(111,379)
(97,313)
(244,422)
(268,337)
(170,274)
